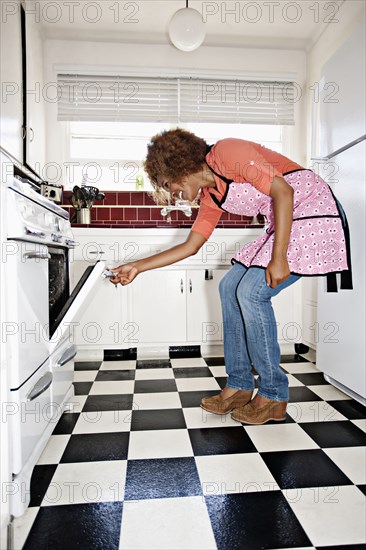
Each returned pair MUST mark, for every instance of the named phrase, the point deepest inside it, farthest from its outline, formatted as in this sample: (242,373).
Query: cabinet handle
(181,286)
(32,135)
(96,252)
(190,286)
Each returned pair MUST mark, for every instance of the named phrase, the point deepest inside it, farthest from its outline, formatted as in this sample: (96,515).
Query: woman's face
(189,187)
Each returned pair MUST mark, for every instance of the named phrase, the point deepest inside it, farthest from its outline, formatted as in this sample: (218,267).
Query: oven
(38,325)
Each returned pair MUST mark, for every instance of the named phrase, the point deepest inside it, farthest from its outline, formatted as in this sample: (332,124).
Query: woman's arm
(126,273)
(283,198)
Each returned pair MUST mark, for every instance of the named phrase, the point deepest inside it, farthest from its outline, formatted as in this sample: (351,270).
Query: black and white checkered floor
(137,464)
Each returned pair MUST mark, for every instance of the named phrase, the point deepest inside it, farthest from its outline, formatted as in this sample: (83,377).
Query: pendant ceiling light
(187,29)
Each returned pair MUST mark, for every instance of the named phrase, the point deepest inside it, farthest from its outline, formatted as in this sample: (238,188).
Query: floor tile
(87,482)
(193,398)
(325,514)
(218,371)
(169,524)
(149,386)
(108,375)
(234,473)
(22,526)
(309,468)
(361,424)
(302,393)
(335,434)
(162,478)
(92,526)
(292,381)
(350,409)
(118,365)
(352,461)
(164,400)
(197,384)
(66,423)
(329,393)
(313,411)
(54,449)
(167,419)
(311,378)
(159,444)
(96,447)
(108,403)
(198,372)
(103,422)
(154,374)
(87,365)
(85,375)
(76,403)
(153,364)
(188,362)
(82,388)
(196,417)
(296,368)
(40,480)
(285,437)
(217,441)
(214,361)
(237,523)
(112,387)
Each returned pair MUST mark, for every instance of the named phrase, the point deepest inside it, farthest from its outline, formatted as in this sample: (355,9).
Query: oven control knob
(56,238)
(48,219)
(28,210)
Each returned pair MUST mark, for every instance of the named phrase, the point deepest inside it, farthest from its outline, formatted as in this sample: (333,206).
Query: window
(108,133)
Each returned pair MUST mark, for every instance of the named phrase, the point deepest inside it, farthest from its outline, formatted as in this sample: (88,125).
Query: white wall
(135,58)
(350,16)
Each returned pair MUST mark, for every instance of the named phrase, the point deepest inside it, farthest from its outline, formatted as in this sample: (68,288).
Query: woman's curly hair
(173,154)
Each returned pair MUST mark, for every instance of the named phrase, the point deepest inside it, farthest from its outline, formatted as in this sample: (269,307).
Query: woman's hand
(125,274)
(277,272)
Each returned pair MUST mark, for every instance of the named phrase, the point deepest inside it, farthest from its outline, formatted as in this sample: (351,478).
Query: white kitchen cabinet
(176,306)
(104,322)
(310,335)
(157,306)
(35,97)
(204,317)
(11,80)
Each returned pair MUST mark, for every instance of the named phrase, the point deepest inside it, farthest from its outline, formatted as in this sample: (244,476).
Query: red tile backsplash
(137,209)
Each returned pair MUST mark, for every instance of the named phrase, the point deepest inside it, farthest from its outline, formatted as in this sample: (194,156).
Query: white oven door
(25,329)
(65,323)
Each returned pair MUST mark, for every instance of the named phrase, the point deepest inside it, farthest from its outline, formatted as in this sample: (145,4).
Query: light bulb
(187,29)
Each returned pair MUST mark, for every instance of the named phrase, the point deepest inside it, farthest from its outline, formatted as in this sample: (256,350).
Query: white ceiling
(282,24)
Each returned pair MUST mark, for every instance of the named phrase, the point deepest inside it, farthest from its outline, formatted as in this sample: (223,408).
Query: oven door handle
(70,243)
(40,387)
(35,233)
(67,356)
(37,255)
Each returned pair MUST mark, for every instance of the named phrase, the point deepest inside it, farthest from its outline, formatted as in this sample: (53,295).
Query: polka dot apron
(319,239)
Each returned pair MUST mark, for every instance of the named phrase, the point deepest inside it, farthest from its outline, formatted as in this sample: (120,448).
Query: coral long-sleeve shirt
(241,161)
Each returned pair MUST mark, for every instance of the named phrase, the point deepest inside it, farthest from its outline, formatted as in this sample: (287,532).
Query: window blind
(145,99)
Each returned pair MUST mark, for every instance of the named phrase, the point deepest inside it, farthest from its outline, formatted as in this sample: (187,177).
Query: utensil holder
(83,216)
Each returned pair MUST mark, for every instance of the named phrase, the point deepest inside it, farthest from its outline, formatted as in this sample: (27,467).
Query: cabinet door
(104,322)
(287,307)
(11,78)
(204,317)
(157,301)
(35,97)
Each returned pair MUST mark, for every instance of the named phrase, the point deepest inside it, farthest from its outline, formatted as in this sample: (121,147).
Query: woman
(305,235)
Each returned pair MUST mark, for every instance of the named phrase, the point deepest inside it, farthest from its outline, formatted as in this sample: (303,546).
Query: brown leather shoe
(273,410)
(217,405)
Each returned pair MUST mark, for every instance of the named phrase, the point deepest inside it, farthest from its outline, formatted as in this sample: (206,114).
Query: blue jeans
(250,331)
